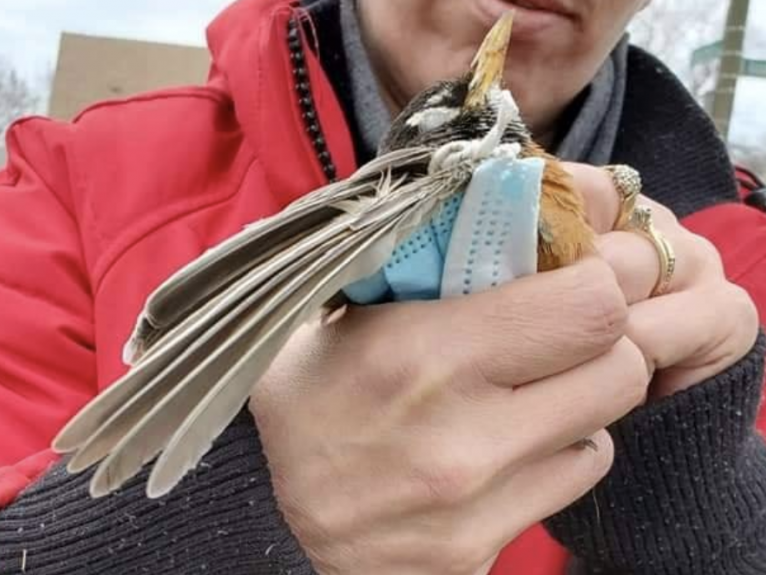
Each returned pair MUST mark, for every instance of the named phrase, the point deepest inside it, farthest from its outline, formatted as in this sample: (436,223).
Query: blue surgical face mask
(480,238)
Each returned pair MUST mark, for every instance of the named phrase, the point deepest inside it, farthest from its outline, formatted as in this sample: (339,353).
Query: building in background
(91,69)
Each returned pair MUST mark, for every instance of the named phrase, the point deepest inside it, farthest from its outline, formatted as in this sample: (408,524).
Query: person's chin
(533,18)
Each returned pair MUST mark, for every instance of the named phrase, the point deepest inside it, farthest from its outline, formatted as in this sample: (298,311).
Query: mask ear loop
(474,151)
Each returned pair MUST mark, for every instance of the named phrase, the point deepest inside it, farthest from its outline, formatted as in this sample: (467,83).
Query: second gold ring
(641,223)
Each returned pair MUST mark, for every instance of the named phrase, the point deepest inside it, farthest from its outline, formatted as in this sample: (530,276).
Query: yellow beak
(488,65)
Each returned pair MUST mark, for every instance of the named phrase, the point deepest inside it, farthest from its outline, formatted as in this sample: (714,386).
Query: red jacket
(94,214)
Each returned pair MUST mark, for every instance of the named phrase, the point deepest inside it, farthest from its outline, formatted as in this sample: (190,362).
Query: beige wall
(91,69)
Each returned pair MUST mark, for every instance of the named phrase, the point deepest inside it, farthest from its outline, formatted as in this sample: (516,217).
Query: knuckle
(447,481)
(744,313)
(704,245)
(379,360)
(634,373)
(602,305)
(389,381)
(737,321)
(707,255)
(662,213)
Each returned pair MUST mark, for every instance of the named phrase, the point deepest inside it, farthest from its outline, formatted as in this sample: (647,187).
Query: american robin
(212,329)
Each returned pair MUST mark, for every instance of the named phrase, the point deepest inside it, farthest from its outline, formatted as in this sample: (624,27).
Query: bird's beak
(488,65)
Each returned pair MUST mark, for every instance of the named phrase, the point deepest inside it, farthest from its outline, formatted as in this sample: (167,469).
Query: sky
(30,30)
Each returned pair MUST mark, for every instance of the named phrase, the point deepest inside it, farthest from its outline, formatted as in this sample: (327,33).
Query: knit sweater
(687,494)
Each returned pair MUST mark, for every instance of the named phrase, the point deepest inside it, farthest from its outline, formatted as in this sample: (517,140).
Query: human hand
(703,324)
(686,462)
(421,438)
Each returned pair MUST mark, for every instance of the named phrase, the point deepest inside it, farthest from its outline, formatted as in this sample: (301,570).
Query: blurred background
(57,56)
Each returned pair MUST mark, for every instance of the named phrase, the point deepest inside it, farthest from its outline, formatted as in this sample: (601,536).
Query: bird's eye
(432,118)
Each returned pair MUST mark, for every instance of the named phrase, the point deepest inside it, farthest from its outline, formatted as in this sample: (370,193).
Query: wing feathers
(272,329)
(210,357)
(185,290)
(212,330)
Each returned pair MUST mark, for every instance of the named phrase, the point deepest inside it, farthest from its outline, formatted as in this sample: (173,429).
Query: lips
(555,6)
(534,19)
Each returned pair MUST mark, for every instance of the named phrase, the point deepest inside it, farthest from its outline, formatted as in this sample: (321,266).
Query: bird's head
(461,109)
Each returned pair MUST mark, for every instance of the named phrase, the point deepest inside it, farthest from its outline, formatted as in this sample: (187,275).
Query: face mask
(481,238)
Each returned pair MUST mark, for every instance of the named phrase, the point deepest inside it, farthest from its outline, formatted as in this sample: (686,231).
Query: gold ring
(627,182)
(641,223)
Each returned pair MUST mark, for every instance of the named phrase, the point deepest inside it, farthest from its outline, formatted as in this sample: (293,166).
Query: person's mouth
(555,6)
(531,16)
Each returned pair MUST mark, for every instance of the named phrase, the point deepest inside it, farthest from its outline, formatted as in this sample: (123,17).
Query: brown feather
(565,234)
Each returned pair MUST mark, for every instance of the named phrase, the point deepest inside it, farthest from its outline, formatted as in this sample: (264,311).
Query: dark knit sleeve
(222,519)
(687,493)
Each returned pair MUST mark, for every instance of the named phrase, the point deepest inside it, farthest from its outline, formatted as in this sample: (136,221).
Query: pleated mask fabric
(479,239)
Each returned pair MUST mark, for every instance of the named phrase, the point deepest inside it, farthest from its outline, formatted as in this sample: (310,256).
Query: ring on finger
(627,182)
(641,223)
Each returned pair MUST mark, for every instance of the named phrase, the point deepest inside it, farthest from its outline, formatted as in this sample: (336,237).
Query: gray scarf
(590,138)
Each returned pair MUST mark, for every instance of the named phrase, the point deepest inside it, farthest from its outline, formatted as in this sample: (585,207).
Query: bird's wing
(201,368)
(260,242)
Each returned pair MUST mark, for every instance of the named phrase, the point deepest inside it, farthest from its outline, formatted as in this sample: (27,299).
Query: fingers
(530,329)
(543,488)
(481,517)
(561,410)
(701,324)
(602,201)
(547,486)
(635,257)
(636,261)
(509,429)
(693,335)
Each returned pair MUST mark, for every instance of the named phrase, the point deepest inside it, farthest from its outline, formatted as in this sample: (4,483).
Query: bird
(210,331)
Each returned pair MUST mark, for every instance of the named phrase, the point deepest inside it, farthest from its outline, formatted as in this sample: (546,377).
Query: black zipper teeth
(306,100)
